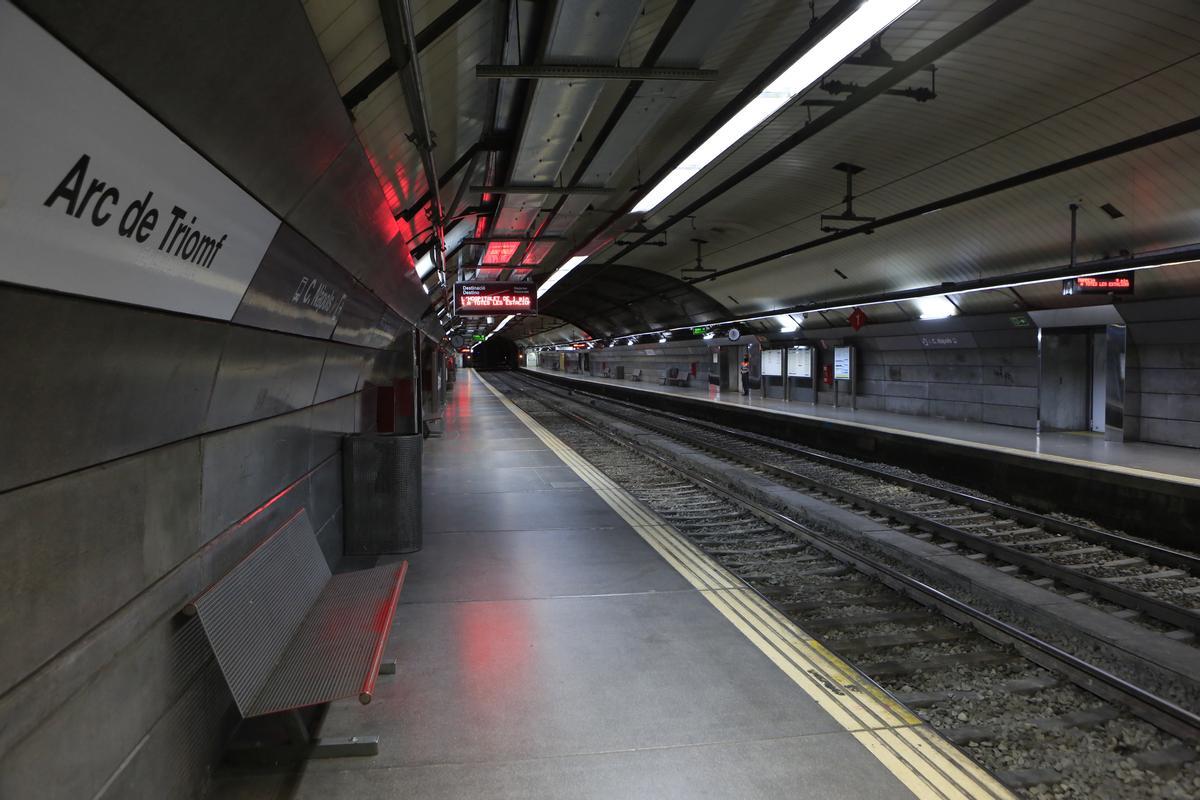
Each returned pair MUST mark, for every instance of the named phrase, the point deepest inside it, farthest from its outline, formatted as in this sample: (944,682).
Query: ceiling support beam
(540,190)
(378,76)
(402,44)
(593,72)
(499,237)
(982,21)
(816,31)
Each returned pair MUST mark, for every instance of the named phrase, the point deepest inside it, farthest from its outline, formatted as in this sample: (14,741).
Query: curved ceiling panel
(624,300)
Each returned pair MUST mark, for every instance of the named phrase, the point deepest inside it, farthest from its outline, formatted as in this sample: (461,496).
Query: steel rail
(1145,704)
(1143,603)
(1161,554)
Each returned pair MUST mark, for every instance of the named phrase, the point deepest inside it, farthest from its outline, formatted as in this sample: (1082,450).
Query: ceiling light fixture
(936,306)
(858,28)
(787,324)
(560,273)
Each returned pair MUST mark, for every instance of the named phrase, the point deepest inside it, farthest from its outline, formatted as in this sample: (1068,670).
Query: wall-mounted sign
(799,363)
(857,319)
(1020,321)
(699,330)
(456,340)
(100,199)
(841,363)
(481,299)
(1116,283)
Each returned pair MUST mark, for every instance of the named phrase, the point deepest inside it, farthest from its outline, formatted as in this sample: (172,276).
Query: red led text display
(494,298)
(1116,283)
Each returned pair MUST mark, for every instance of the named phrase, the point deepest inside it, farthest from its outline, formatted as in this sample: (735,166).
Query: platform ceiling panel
(1047,83)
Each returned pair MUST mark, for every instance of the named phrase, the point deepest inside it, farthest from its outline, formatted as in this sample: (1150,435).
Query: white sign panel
(772,362)
(100,199)
(800,363)
(841,363)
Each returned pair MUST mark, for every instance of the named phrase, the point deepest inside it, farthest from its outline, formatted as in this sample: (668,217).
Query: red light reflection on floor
(494,640)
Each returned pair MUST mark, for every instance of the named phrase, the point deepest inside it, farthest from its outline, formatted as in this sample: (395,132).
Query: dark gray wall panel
(268,115)
(359,321)
(346,215)
(342,371)
(324,488)
(81,546)
(263,374)
(246,465)
(331,539)
(123,701)
(180,750)
(297,289)
(87,382)
(330,422)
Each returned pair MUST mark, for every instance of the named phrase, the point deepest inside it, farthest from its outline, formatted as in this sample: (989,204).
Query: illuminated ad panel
(480,299)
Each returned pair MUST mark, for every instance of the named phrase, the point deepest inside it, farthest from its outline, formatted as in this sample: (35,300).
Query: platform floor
(1143,459)
(548,648)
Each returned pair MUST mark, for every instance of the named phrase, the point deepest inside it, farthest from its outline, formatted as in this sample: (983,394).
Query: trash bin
(381,485)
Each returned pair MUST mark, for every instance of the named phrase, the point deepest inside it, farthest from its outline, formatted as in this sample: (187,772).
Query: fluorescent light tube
(560,273)
(787,324)
(854,31)
(425,265)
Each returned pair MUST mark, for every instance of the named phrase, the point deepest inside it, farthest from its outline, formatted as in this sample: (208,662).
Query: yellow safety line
(912,751)
(1138,472)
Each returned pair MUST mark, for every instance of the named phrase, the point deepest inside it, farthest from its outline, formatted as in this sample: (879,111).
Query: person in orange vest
(745,371)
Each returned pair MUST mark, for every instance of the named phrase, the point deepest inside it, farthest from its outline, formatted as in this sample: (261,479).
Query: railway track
(1010,700)
(1138,581)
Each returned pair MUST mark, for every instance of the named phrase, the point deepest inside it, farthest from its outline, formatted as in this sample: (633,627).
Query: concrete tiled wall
(136,481)
(997,385)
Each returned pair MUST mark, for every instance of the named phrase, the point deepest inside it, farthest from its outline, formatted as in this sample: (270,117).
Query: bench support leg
(302,745)
(387,668)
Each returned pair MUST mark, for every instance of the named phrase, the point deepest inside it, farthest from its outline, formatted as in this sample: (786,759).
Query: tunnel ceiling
(1032,106)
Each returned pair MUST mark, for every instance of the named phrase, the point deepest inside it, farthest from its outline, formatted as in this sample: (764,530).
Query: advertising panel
(481,299)
(841,363)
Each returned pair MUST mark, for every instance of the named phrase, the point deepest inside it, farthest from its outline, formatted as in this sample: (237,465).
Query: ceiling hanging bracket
(847,220)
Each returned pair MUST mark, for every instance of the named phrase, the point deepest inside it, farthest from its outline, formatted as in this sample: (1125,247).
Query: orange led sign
(480,299)
(1116,283)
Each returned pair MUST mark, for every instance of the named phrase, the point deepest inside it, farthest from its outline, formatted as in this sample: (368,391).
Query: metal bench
(288,634)
(676,376)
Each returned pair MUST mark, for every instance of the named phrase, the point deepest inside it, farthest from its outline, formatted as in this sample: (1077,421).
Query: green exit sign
(1020,321)
(700,331)
(479,337)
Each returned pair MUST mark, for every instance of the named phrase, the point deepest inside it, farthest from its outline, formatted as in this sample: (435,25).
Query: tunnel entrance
(495,353)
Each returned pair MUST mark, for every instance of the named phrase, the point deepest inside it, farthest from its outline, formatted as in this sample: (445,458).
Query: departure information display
(480,299)
(1115,283)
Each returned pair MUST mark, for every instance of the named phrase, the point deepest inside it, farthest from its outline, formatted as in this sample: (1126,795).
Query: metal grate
(287,634)
(252,613)
(382,486)
(332,656)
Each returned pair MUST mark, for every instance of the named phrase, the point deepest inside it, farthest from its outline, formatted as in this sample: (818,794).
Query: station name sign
(494,298)
(1116,283)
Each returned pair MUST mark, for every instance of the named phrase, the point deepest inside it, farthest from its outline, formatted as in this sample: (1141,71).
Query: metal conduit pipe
(402,45)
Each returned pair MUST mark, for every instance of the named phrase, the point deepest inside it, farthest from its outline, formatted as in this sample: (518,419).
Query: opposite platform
(554,640)
(1180,465)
